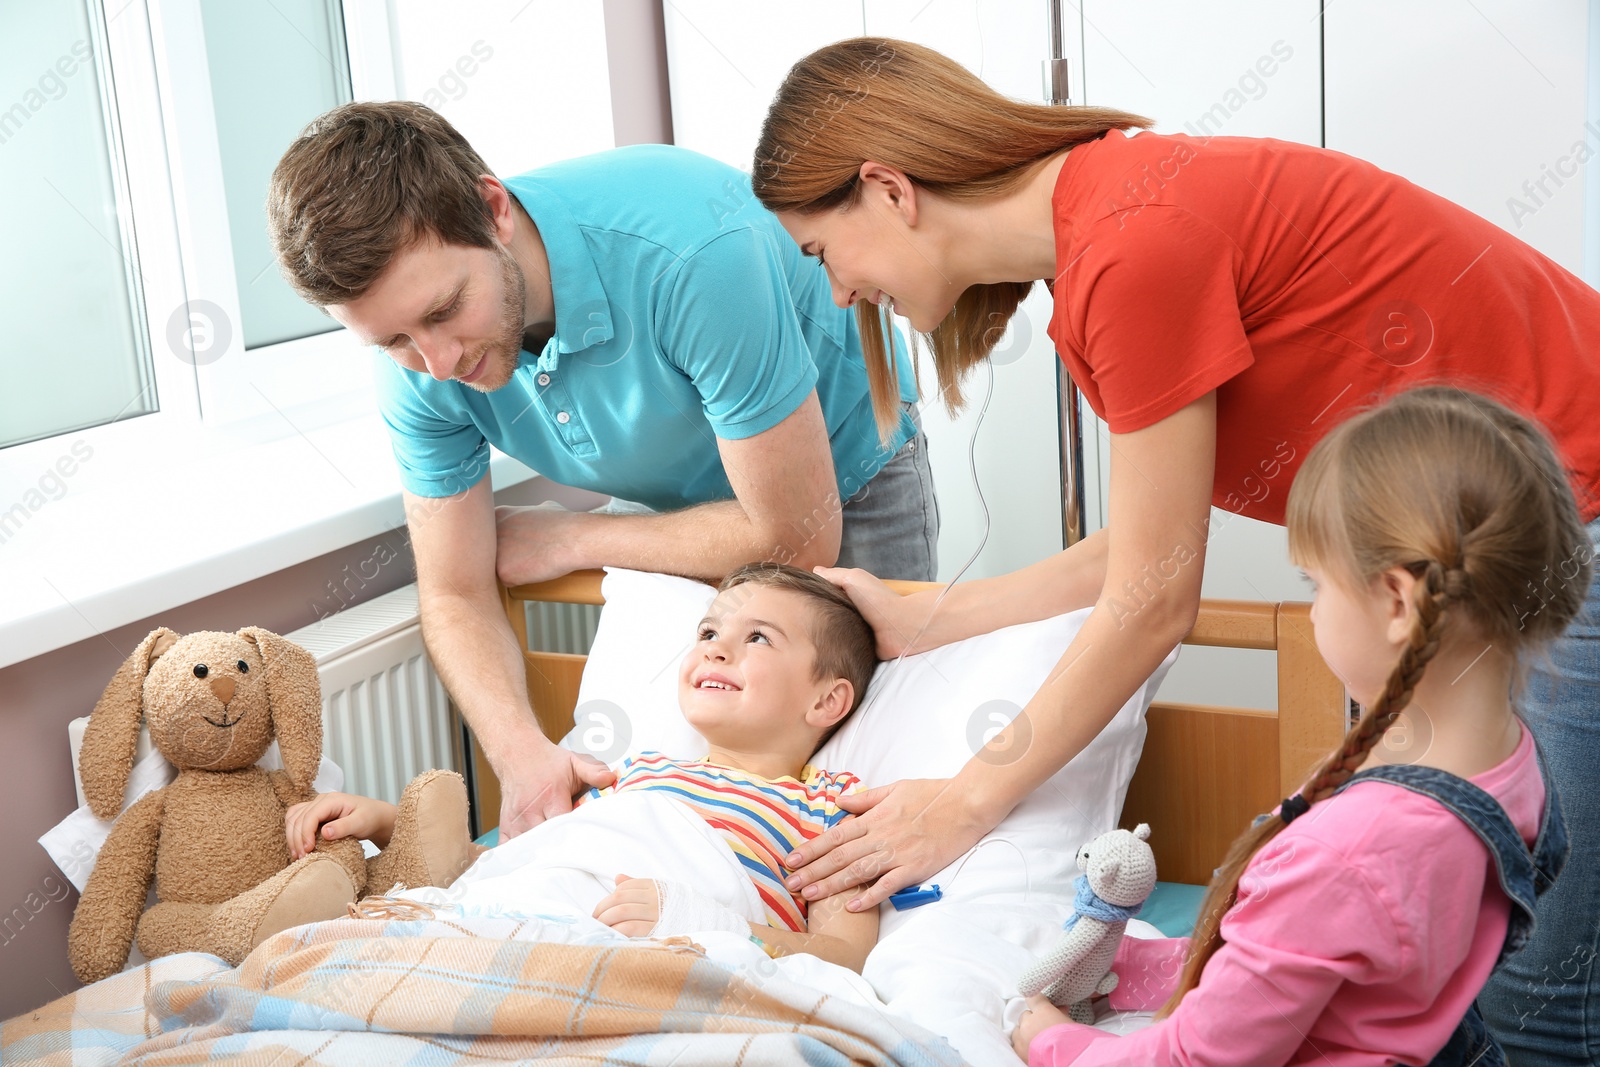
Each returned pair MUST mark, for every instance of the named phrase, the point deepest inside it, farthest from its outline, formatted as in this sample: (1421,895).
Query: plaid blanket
(363,991)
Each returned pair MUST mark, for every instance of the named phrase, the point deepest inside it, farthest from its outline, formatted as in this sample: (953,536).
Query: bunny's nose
(222,685)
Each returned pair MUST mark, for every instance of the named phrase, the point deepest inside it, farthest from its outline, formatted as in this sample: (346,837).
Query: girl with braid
(1357,923)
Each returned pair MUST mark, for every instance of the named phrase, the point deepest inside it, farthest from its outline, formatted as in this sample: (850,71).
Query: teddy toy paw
(430,845)
(321,889)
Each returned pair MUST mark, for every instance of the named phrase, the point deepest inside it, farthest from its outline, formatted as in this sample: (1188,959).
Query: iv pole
(1072,495)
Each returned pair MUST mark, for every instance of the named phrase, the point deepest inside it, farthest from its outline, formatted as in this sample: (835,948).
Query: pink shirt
(1362,934)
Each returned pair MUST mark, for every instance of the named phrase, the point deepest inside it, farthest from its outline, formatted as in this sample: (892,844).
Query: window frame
(265,385)
(167,171)
(146,218)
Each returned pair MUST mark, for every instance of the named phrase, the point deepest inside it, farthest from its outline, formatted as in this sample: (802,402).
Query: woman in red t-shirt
(1222,303)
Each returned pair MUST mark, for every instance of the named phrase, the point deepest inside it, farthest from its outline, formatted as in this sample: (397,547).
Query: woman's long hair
(908,107)
(1468,496)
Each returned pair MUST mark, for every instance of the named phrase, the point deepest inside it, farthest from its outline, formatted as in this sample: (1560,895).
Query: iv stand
(1072,495)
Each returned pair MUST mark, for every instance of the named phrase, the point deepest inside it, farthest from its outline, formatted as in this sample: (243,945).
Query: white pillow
(628,699)
(923,717)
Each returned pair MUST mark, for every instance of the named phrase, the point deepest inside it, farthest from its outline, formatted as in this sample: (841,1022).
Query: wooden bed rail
(1205,772)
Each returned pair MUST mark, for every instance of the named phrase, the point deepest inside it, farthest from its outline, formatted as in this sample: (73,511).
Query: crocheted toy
(1119,874)
(213,839)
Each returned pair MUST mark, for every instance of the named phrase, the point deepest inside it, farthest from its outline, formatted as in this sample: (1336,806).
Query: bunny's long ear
(295,696)
(109,741)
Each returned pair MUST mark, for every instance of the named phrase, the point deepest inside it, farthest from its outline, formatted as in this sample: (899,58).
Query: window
(274,67)
(138,279)
(76,353)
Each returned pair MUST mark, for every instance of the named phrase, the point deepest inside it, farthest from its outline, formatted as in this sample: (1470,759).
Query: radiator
(561,627)
(385,715)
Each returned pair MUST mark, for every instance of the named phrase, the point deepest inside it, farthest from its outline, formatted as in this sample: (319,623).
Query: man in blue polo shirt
(633,323)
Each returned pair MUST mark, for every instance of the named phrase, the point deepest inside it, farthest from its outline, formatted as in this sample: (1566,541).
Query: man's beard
(505,352)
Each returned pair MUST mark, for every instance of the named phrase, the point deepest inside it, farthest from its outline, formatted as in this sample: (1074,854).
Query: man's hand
(633,908)
(536,544)
(538,781)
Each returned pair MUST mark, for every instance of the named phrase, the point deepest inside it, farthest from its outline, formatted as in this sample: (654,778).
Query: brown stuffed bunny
(214,838)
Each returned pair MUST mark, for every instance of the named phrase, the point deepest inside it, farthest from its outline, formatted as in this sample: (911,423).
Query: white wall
(526,83)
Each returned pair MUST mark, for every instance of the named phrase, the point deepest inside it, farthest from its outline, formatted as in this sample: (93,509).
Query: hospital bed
(467,988)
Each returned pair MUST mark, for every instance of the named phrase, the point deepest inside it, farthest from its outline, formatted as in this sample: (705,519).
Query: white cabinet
(1483,102)
(1234,68)
(726,59)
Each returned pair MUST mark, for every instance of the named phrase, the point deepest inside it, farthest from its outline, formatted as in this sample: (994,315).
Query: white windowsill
(147,525)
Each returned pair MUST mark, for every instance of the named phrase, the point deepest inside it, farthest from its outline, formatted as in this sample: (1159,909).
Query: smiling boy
(782,658)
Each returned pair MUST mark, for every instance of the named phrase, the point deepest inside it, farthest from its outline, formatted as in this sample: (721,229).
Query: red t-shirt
(1302,284)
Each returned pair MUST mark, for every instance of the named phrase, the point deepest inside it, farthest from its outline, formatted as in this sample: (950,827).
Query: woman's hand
(633,908)
(898,622)
(337,815)
(1040,1016)
(899,834)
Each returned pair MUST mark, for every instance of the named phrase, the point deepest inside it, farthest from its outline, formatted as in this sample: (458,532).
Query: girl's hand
(898,622)
(337,815)
(633,908)
(1040,1016)
(898,835)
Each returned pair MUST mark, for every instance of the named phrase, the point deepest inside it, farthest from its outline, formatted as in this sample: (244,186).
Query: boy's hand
(338,815)
(1040,1016)
(633,908)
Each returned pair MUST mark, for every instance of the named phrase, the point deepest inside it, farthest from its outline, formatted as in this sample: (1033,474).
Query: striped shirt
(762,819)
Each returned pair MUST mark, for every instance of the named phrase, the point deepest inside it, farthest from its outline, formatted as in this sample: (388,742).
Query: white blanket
(562,868)
(558,871)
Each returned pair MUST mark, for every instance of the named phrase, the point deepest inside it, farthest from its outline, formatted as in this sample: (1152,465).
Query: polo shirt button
(563,418)
(544,379)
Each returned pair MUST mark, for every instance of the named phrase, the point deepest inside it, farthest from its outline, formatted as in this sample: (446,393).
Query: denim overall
(1522,876)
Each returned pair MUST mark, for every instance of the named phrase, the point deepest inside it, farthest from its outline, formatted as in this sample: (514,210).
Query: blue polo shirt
(684,313)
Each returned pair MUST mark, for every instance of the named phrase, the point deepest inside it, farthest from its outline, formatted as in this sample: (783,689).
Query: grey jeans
(891,527)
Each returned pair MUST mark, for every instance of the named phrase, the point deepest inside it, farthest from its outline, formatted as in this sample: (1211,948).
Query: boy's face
(749,682)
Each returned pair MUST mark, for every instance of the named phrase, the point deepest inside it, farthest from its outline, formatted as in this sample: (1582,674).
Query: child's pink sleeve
(1147,971)
(1061,1045)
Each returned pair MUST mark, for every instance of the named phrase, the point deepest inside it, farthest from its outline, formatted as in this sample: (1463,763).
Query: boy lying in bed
(782,659)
